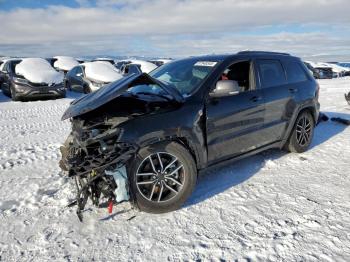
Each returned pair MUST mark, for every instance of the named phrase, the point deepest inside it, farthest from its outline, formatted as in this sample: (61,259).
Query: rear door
(279,98)
(234,122)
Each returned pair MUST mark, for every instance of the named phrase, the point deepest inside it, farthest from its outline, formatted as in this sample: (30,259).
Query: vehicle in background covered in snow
(104,59)
(319,71)
(31,78)
(91,76)
(345,65)
(146,136)
(119,64)
(64,63)
(338,71)
(135,66)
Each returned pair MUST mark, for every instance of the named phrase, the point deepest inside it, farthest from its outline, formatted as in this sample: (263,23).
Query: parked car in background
(143,66)
(104,59)
(319,71)
(347,66)
(157,130)
(64,63)
(129,68)
(119,64)
(338,71)
(91,76)
(31,78)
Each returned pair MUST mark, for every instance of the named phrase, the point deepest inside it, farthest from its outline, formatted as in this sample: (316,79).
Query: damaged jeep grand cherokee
(144,137)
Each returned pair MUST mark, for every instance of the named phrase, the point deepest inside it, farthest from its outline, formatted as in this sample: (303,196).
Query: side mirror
(225,88)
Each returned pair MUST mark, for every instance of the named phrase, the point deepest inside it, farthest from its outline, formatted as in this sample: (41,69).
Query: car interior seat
(240,72)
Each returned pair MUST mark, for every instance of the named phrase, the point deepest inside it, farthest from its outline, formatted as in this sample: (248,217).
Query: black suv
(158,130)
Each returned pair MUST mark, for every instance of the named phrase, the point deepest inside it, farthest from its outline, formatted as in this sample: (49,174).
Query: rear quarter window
(295,72)
(271,73)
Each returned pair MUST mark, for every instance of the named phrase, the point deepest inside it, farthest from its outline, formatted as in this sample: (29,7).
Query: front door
(234,121)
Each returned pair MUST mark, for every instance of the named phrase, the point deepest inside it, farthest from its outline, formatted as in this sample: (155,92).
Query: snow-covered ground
(274,206)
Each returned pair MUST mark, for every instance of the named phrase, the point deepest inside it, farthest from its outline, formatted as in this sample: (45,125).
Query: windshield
(184,75)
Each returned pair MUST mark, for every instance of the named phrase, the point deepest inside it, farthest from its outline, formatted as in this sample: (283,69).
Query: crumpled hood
(111,91)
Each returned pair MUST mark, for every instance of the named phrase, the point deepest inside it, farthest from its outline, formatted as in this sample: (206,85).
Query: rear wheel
(302,133)
(163,177)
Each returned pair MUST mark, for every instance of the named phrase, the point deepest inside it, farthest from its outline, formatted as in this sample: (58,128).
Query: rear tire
(165,184)
(302,133)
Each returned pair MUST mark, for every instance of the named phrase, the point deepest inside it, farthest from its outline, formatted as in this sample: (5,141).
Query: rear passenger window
(295,72)
(271,73)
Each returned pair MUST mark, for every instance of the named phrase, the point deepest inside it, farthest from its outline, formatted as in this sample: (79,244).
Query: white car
(91,76)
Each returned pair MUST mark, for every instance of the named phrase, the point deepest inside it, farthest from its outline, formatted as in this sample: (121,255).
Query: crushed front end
(93,156)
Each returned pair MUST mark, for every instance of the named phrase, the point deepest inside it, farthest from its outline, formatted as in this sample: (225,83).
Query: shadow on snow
(217,180)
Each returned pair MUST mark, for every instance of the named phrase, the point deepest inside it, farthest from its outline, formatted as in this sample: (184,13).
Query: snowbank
(101,71)
(38,70)
(65,62)
(146,67)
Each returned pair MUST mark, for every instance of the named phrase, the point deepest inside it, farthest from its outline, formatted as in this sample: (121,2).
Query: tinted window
(271,73)
(295,72)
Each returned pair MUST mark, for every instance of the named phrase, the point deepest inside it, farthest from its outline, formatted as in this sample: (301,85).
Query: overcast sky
(317,29)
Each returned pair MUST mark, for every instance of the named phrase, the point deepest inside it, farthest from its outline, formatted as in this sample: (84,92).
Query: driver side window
(241,73)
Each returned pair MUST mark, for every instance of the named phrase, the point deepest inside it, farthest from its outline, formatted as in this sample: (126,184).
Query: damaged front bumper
(94,157)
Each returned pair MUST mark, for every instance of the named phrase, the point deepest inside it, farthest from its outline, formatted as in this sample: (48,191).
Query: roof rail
(261,52)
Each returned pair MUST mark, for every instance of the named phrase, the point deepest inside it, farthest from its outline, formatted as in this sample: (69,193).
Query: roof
(241,53)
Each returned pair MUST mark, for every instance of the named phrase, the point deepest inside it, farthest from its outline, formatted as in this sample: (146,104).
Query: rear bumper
(26,91)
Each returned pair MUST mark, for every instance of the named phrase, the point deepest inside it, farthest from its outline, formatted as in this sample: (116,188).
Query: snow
(273,206)
(38,70)
(65,62)
(146,67)
(101,71)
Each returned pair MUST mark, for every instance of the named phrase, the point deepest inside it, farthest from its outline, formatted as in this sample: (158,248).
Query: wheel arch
(183,141)
(305,108)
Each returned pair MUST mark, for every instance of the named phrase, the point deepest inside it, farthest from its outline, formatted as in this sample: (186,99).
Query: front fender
(184,124)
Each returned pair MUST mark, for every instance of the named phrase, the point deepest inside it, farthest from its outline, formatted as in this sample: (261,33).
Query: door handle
(293,90)
(256,98)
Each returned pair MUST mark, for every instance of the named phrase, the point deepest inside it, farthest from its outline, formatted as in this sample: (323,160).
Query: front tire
(302,133)
(163,176)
